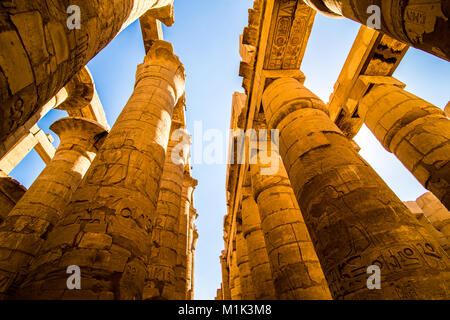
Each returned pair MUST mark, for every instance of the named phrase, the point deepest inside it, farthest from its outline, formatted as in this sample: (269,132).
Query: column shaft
(225,277)
(354,219)
(181,269)
(107,225)
(242,260)
(235,280)
(260,269)
(10,193)
(436,213)
(27,226)
(161,282)
(297,274)
(416,131)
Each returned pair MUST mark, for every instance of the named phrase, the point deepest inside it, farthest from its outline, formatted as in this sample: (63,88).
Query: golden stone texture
(260,269)
(10,192)
(342,197)
(416,131)
(107,224)
(36,40)
(121,205)
(296,271)
(27,227)
(422,24)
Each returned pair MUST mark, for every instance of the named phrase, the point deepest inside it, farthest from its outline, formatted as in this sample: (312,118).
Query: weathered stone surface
(165,252)
(341,197)
(417,132)
(422,24)
(40,53)
(437,214)
(296,271)
(120,190)
(10,193)
(260,268)
(29,223)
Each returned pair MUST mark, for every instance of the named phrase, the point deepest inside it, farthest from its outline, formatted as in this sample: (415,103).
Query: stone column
(242,260)
(27,226)
(235,279)
(42,50)
(436,213)
(191,247)
(296,271)
(257,252)
(225,277)
(10,193)
(416,131)
(181,268)
(192,263)
(161,281)
(107,226)
(418,213)
(422,24)
(354,219)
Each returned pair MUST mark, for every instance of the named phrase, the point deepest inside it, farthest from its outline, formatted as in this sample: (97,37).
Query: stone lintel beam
(421,24)
(36,139)
(151,29)
(373,54)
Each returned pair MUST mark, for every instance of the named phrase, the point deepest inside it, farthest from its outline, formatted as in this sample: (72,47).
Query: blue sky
(206,38)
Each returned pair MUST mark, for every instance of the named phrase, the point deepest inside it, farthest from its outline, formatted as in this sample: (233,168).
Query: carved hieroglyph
(423,24)
(26,228)
(40,53)
(107,226)
(354,219)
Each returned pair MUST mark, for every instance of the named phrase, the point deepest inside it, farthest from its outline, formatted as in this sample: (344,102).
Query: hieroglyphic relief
(289,34)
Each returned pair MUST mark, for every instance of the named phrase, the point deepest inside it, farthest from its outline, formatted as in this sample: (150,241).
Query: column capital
(161,62)
(286,95)
(78,126)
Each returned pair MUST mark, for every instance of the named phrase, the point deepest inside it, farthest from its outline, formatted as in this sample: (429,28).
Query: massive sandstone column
(423,24)
(181,269)
(297,274)
(192,242)
(27,226)
(191,262)
(106,230)
(226,294)
(242,260)
(161,281)
(260,269)
(10,193)
(40,53)
(235,279)
(354,219)
(436,213)
(416,131)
